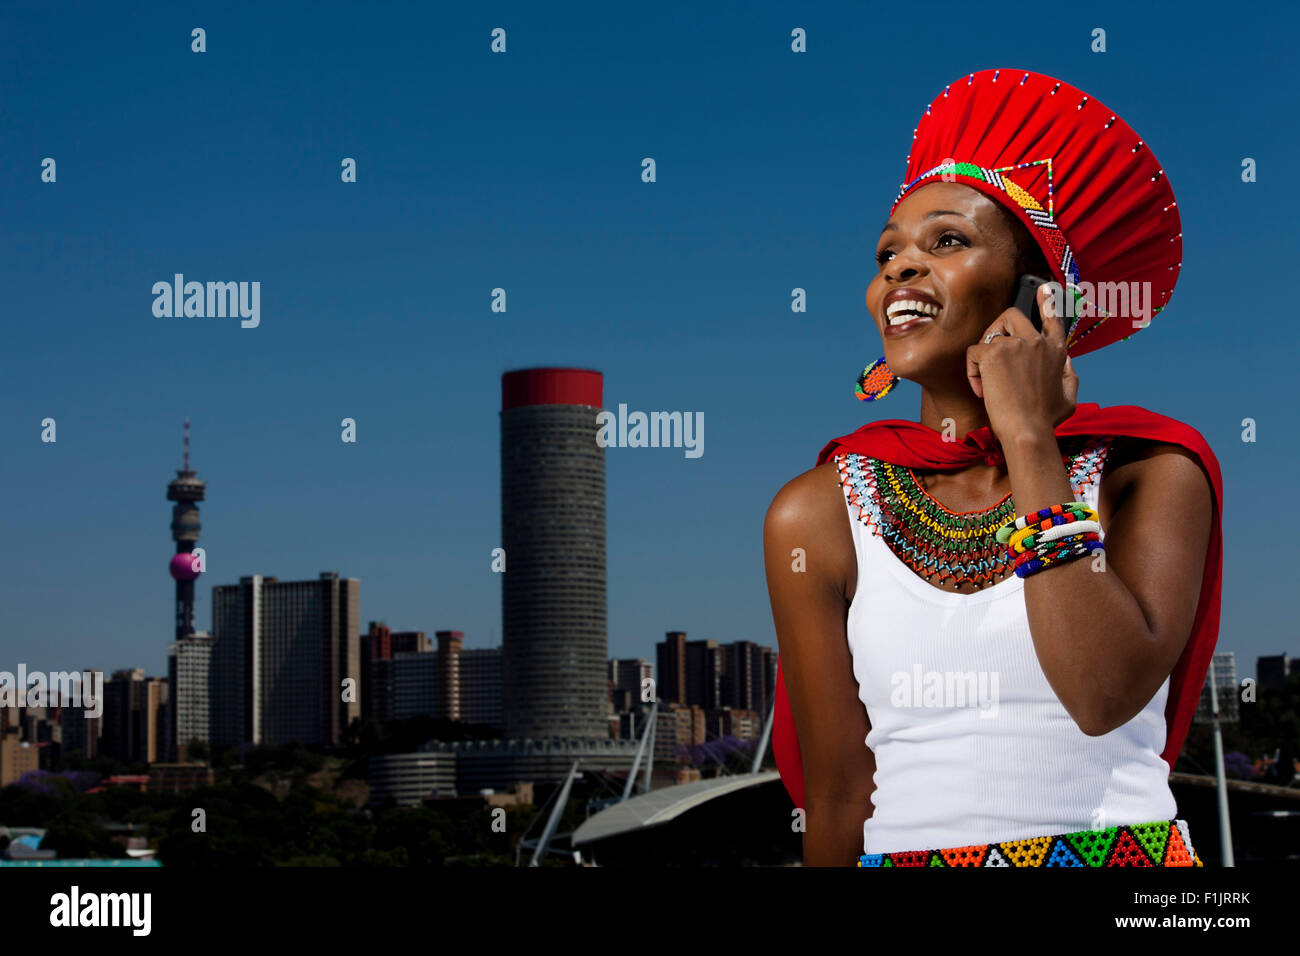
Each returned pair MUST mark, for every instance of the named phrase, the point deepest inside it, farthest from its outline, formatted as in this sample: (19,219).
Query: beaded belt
(1166,843)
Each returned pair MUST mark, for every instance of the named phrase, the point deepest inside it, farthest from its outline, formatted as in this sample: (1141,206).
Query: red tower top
(551,386)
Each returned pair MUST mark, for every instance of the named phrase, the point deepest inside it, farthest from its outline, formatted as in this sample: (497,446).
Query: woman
(1013,601)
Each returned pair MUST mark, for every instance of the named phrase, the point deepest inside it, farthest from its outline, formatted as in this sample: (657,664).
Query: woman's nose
(905,271)
(904,265)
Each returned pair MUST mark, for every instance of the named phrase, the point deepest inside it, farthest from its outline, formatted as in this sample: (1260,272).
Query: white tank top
(971,743)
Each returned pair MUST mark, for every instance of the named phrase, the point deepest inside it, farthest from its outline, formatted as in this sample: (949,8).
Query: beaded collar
(947,548)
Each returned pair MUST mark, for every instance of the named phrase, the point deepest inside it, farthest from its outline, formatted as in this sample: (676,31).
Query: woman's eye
(942,242)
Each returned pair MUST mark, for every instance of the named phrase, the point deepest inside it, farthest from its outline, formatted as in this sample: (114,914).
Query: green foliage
(247,825)
(290,758)
(20,806)
(76,833)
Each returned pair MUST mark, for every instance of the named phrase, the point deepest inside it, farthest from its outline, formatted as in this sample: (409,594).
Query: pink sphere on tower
(182,567)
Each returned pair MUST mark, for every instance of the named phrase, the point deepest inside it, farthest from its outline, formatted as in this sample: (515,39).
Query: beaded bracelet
(1051,536)
(1038,565)
(1036,538)
(1018,537)
(1052,546)
(1071,510)
(1077,551)
(1050,550)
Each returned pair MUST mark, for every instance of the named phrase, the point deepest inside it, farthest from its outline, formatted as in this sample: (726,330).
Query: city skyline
(109,666)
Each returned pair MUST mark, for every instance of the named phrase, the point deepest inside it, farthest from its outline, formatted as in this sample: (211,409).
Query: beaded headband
(1043,227)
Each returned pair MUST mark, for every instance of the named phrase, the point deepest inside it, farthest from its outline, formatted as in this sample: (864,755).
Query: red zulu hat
(1088,189)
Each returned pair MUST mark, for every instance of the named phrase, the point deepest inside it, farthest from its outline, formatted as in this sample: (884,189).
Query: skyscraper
(187,490)
(79,731)
(1227,690)
(1273,671)
(690,672)
(744,676)
(480,686)
(135,717)
(449,651)
(670,656)
(189,679)
(282,652)
(553,532)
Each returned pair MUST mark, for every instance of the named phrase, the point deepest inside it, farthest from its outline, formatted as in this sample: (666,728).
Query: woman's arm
(1106,640)
(810,610)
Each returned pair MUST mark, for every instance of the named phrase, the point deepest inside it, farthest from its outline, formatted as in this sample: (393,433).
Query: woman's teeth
(905,310)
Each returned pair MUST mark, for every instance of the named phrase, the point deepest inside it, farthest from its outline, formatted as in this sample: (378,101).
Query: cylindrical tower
(186,489)
(553,658)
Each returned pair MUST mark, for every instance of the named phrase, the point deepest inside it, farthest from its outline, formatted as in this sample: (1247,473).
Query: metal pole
(1220,775)
(767,735)
(554,821)
(640,749)
(650,755)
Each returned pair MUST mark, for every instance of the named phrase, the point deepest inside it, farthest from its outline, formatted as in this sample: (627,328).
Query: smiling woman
(927,541)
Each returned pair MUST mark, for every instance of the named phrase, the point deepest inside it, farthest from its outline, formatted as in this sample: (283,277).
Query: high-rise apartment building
(553,535)
(480,686)
(1223,672)
(80,732)
(135,717)
(283,651)
(189,678)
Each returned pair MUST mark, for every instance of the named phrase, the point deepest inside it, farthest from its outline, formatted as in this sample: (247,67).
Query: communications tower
(187,490)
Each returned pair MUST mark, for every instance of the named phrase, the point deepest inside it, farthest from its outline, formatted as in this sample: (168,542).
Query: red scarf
(913,445)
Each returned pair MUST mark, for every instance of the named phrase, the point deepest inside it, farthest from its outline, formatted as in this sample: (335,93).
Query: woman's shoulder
(1134,463)
(1127,450)
(812,497)
(809,515)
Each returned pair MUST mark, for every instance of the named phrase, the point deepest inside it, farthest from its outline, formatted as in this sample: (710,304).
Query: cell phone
(1027,299)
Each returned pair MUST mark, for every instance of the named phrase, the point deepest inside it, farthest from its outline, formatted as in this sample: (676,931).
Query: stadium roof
(661,806)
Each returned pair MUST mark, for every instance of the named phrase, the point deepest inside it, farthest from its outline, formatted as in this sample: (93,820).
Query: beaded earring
(875,381)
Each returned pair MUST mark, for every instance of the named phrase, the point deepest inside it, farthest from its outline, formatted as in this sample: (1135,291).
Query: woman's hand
(1025,378)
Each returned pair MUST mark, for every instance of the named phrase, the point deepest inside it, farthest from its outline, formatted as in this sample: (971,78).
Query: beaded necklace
(947,548)
(943,545)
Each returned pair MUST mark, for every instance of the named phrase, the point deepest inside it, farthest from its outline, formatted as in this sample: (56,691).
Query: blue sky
(522,171)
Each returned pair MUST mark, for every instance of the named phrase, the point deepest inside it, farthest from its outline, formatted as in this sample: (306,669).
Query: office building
(81,733)
(283,650)
(189,676)
(17,756)
(690,672)
(480,686)
(745,676)
(1224,673)
(626,678)
(670,660)
(448,673)
(1273,672)
(135,717)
